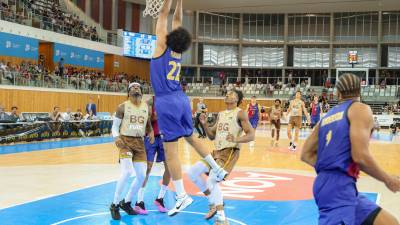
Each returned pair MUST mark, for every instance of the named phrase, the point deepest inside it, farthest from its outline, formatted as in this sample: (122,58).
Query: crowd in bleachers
(55,19)
(48,15)
(31,74)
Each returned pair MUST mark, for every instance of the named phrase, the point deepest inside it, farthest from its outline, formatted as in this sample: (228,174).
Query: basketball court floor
(73,181)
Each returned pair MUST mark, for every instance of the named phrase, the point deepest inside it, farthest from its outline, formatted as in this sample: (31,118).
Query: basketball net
(153,8)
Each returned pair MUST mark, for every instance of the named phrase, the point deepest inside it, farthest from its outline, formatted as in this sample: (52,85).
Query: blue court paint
(90,207)
(46,145)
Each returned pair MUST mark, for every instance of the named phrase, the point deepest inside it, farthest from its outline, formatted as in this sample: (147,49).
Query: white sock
(140,196)
(195,173)
(221,214)
(179,188)
(162,192)
(210,160)
(126,171)
(140,169)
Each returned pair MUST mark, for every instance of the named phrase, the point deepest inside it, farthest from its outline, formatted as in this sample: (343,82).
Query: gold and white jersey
(296,108)
(135,119)
(227,124)
(276,113)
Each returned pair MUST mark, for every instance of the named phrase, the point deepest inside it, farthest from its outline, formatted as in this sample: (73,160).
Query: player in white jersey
(296,110)
(227,136)
(130,125)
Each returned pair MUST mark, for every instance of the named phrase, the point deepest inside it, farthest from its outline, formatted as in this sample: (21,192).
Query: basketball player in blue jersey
(338,149)
(253,114)
(172,105)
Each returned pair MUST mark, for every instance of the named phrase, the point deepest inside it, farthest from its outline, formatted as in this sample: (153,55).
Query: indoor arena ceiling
(288,6)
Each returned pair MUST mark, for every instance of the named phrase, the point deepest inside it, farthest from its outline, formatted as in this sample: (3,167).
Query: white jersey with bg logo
(296,108)
(135,119)
(227,124)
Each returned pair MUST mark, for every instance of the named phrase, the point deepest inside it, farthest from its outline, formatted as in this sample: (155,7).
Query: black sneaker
(114,209)
(126,206)
(140,208)
(159,202)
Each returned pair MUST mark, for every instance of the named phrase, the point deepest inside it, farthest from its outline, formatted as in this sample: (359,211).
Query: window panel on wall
(311,57)
(391,26)
(187,56)
(223,26)
(220,55)
(358,27)
(263,27)
(309,27)
(394,57)
(367,57)
(262,57)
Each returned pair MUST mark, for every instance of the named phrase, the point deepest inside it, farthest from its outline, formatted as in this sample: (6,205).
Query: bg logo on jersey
(266,186)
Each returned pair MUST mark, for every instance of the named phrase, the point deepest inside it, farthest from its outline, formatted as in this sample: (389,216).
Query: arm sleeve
(115,127)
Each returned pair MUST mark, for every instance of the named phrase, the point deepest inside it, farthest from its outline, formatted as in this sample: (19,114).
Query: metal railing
(65,82)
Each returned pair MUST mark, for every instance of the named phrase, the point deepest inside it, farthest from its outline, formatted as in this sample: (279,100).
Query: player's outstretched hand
(393,184)
(230,138)
(151,137)
(203,118)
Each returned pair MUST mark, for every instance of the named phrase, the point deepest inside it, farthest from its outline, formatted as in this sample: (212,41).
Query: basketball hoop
(153,8)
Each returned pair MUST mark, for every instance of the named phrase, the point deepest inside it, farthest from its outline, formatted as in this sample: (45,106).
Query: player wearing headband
(130,126)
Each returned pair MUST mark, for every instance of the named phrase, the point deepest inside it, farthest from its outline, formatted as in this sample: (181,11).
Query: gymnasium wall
(132,66)
(29,99)
(44,100)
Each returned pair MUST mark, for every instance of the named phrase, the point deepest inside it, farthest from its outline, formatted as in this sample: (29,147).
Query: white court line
(104,213)
(58,194)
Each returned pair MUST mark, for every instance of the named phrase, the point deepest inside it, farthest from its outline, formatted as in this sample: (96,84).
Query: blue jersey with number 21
(164,73)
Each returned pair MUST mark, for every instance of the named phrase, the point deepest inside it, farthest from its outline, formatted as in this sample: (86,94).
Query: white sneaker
(220,174)
(292,148)
(181,204)
(251,144)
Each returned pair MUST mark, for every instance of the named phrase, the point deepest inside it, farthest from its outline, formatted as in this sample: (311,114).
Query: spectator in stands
(61,67)
(303,84)
(383,84)
(293,84)
(377,127)
(394,127)
(91,107)
(14,113)
(55,115)
(3,115)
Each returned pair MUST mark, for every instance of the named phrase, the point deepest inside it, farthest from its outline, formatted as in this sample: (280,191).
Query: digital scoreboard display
(353,57)
(139,45)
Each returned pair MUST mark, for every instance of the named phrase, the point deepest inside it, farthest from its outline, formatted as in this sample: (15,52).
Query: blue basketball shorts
(154,149)
(174,116)
(338,200)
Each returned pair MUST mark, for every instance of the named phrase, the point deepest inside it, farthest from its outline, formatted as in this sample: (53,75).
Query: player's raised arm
(177,20)
(162,29)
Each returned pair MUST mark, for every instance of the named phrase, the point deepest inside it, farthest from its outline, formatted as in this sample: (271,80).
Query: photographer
(201,108)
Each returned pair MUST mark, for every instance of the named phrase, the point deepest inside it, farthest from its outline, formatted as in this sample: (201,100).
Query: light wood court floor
(32,175)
